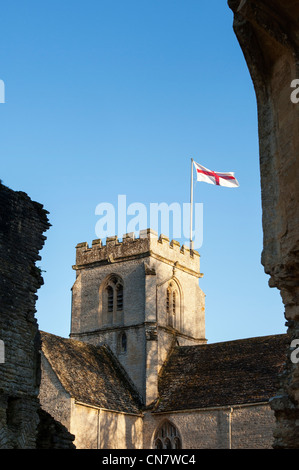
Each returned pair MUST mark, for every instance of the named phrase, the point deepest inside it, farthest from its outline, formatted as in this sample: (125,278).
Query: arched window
(110,298)
(119,296)
(122,343)
(168,300)
(167,443)
(112,303)
(173,305)
(159,444)
(167,437)
(177,443)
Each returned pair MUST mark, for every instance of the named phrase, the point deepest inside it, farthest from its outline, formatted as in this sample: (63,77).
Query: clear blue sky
(114,97)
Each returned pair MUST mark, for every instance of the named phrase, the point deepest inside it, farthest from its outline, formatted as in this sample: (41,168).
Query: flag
(215,177)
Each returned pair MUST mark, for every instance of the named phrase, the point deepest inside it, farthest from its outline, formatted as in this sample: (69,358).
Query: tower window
(119,297)
(122,343)
(168,300)
(112,301)
(110,298)
(173,305)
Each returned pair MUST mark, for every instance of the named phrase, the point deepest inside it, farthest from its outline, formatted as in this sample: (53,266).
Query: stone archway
(267,31)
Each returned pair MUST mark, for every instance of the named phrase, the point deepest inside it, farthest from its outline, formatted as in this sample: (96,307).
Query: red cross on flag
(215,177)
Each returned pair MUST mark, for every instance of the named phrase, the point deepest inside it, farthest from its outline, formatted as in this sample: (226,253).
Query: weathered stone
(268,34)
(147,266)
(22,223)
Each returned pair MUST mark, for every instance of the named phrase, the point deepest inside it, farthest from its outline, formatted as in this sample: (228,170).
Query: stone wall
(52,395)
(23,425)
(267,31)
(22,223)
(238,427)
(51,434)
(96,428)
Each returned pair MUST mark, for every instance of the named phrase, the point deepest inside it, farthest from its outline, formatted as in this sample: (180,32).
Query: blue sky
(108,98)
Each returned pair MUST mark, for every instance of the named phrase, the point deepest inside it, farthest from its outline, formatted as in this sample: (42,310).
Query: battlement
(130,247)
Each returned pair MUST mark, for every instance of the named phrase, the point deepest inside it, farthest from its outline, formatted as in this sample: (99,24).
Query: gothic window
(119,296)
(112,300)
(122,343)
(167,444)
(172,305)
(177,443)
(167,437)
(159,444)
(168,300)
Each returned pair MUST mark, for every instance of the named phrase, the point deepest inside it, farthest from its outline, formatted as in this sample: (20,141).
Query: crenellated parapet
(148,243)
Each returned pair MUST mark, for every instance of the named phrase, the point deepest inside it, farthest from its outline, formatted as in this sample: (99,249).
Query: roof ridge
(250,338)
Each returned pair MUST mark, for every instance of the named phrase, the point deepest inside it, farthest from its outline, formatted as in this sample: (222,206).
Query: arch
(109,293)
(174,305)
(111,300)
(158,444)
(119,296)
(122,343)
(167,436)
(177,443)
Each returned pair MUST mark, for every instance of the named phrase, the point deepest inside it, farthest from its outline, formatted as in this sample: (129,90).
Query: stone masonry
(23,425)
(22,223)
(267,31)
(146,266)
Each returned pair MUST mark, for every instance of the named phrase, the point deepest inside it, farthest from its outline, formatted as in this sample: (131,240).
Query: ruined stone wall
(23,424)
(22,223)
(267,31)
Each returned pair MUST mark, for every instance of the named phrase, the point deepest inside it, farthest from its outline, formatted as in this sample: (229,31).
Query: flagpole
(191,206)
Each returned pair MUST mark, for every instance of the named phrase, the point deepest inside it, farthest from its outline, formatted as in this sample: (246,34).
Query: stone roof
(90,374)
(221,374)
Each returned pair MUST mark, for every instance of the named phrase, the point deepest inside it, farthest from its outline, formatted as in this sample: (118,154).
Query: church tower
(140,296)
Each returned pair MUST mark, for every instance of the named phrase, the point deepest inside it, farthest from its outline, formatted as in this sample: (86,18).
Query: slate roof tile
(222,374)
(90,374)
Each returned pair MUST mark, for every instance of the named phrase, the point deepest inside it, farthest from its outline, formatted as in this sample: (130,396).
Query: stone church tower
(140,296)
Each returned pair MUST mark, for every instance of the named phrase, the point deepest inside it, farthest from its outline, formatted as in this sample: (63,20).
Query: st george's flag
(215,177)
